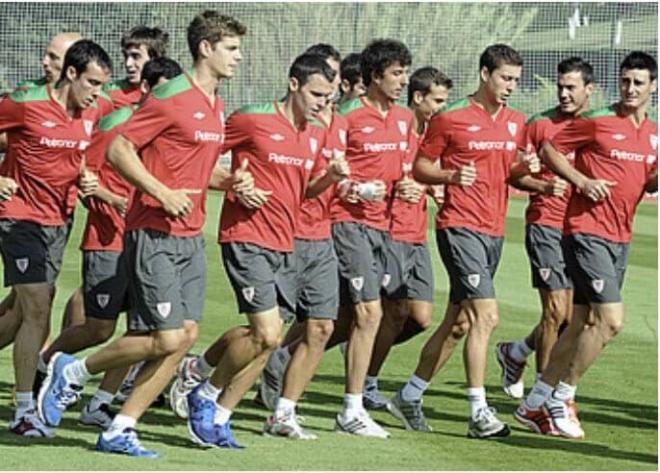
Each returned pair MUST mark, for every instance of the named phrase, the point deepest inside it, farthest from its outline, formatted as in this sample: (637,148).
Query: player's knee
(169,341)
(487,320)
(368,317)
(459,329)
(267,338)
(614,325)
(319,331)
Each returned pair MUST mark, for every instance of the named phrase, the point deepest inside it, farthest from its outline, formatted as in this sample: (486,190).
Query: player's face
(86,87)
(572,93)
(352,92)
(53,59)
(427,105)
(502,81)
(134,59)
(312,97)
(334,65)
(393,81)
(636,87)
(226,56)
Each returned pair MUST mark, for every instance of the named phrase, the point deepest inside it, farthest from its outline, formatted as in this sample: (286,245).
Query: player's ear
(590,88)
(654,85)
(294,84)
(484,74)
(144,87)
(417,97)
(71,73)
(345,86)
(205,48)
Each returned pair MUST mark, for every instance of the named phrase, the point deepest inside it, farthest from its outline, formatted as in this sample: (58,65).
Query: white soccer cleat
(287,426)
(360,424)
(30,425)
(564,417)
(101,417)
(187,378)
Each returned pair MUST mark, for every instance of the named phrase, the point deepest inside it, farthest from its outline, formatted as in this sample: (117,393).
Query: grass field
(617,398)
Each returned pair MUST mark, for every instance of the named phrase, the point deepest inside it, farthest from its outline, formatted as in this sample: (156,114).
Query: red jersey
(122,93)
(409,221)
(104,230)
(314,215)
(376,147)
(547,209)
(608,146)
(462,133)
(179,136)
(45,148)
(282,159)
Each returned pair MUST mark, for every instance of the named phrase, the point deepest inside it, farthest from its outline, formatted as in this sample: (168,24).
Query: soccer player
(545,217)
(178,133)
(408,283)
(477,140)
(49,128)
(53,59)
(283,150)
(616,151)
(351,85)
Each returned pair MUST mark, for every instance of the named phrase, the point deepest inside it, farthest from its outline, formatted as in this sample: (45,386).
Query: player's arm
(117,201)
(336,170)
(651,185)
(426,172)
(123,156)
(556,186)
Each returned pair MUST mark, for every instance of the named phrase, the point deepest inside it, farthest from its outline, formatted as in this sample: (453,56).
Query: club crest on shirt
(22,264)
(309,164)
(654,141)
(474,279)
(357,283)
(88,125)
(544,273)
(248,293)
(164,309)
(406,167)
(403,127)
(342,136)
(598,285)
(650,159)
(103,300)
(313,145)
(513,128)
(387,277)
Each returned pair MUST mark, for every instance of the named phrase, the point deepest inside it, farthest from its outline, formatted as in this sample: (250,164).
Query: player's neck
(419,124)
(205,80)
(485,101)
(64,97)
(297,120)
(376,99)
(637,115)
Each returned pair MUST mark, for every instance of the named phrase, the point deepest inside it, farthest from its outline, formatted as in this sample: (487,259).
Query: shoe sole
(503,432)
(340,430)
(392,409)
(527,423)
(45,387)
(198,440)
(287,437)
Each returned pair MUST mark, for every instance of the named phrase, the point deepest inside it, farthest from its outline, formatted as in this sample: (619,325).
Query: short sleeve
(436,139)
(148,122)
(237,131)
(12,114)
(575,135)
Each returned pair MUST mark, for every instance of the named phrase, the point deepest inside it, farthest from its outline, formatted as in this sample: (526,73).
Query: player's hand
(338,168)
(242,179)
(532,161)
(465,175)
(120,204)
(372,191)
(347,191)
(556,187)
(88,182)
(176,201)
(254,199)
(438,194)
(8,188)
(409,190)
(597,189)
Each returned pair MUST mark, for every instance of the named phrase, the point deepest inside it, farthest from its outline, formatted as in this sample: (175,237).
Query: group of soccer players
(323,225)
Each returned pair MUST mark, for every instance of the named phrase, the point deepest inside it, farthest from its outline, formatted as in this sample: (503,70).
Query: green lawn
(617,398)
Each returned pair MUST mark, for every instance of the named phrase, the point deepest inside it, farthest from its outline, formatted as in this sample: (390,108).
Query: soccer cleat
(373,399)
(536,419)
(360,424)
(30,425)
(564,418)
(57,392)
(512,371)
(271,380)
(485,425)
(410,413)
(201,423)
(187,378)
(100,417)
(287,426)
(125,443)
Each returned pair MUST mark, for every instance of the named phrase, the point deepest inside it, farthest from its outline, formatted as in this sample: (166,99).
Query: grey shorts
(597,267)
(167,279)
(31,253)
(471,259)
(105,284)
(546,258)
(317,279)
(408,272)
(361,254)
(262,279)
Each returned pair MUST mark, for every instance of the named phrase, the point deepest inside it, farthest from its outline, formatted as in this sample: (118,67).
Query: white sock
(564,391)
(119,423)
(476,399)
(24,403)
(352,403)
(202,366)
(520,351)
(222,415)
(208,391)
(76,372)
(100,397)
(371,383)
(284,407)
(537,396)
(42,366)
(414,388)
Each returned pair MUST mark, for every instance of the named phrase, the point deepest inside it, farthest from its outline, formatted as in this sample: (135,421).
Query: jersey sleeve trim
(258,109)
(115,118)
(174,86)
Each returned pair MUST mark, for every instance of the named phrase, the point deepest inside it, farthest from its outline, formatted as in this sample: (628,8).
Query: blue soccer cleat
(201,423)
(57,392)
(126,443)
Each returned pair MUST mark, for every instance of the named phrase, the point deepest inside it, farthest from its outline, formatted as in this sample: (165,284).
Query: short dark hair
(497,55)
(327,51)
(212,26)
(81,53)
(640,60)
(424,78)
(307,65)
(155,69)
(154,39)
(577,64)
(381,54)
(349,69)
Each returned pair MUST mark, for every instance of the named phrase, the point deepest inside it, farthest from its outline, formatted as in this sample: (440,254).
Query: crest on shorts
(342,137)
(88,125)
(103,300)
(474,279)
(598,285)
(313,145)
(164,309)
(545,273)
(248,293)
(357,283)
(654,141)
(387,277)
(513,128)
(22,264)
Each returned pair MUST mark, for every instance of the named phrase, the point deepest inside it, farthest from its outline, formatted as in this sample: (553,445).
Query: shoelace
(68,397)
